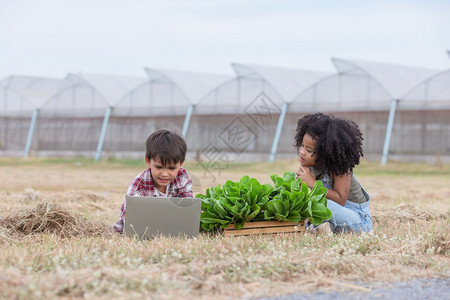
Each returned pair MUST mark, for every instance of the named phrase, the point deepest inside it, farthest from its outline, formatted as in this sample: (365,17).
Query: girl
(329,148)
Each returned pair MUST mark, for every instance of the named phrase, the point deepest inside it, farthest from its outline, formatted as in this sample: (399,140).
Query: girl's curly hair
(338,141)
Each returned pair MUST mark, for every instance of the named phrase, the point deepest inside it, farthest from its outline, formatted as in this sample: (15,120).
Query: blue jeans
(352,217)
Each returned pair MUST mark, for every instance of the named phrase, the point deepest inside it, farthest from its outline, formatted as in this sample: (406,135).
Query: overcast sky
(51,38)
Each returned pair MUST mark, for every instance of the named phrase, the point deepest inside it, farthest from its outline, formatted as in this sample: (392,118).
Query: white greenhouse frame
(87,95)
(363,85)
(91,114)
(23,96)
(165,93)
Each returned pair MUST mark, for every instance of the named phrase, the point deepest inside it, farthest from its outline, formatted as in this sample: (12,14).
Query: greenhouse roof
(34,90)
(431,93)
(287,82)
(111,87)
(397,80)
(192,84)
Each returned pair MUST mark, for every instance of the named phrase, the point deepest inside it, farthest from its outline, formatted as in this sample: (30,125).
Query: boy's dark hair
(167,146)
(338,141)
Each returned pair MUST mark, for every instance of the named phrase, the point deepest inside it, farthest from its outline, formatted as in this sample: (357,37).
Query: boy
(165,177)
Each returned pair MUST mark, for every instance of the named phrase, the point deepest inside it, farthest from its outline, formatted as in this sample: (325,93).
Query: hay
(407,213)
(48,218)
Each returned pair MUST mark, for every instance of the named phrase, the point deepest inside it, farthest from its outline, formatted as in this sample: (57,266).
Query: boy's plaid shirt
(143,185)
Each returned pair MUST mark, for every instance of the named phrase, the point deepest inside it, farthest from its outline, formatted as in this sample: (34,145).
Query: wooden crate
(265,227)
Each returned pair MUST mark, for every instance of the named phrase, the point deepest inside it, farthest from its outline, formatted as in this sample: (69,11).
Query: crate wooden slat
(265,227)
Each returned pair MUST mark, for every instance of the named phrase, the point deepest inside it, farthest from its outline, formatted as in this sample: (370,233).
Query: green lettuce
(289,199)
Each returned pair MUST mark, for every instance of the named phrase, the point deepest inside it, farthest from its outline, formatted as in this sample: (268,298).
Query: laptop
(147,217)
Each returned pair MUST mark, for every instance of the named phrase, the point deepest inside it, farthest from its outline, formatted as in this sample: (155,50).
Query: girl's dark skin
(332,143)
(341,182)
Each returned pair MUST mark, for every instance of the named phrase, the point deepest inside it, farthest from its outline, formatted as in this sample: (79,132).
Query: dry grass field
(56,239)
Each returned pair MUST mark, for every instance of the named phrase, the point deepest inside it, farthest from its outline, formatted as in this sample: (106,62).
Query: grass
(71,251)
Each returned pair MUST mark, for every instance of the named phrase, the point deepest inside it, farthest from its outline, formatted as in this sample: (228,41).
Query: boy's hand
(307,176)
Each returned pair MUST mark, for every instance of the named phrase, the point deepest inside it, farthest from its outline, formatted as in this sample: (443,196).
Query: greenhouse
(403,111)
(165,100)
(365,92)
(422,121)
(71,121)
(243,114)
(21,97)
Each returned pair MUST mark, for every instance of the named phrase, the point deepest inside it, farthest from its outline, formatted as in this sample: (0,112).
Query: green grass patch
(371,168)
(399,169)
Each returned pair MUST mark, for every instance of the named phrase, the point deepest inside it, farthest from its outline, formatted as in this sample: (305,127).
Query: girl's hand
(307,176)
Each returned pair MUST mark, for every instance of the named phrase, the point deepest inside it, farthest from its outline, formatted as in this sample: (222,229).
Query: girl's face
(306,151)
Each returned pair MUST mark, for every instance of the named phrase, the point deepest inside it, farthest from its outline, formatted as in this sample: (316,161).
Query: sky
(51,38)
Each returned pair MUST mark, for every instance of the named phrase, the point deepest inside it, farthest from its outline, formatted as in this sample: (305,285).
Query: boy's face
(306,151)
(162,176)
